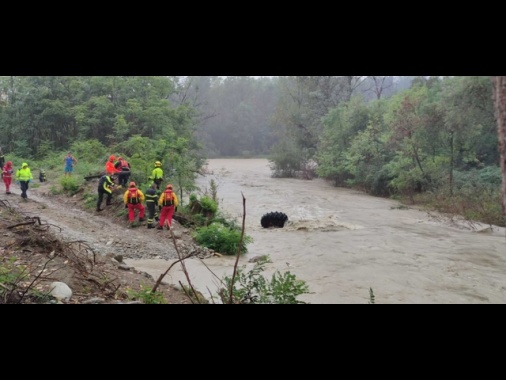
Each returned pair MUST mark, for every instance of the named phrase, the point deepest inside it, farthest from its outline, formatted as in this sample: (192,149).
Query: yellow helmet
(158,163)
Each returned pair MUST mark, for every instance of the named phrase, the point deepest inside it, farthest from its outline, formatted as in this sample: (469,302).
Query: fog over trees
(382,134)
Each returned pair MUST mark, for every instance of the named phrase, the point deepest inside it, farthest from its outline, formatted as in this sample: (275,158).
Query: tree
(380,84)
(500,107)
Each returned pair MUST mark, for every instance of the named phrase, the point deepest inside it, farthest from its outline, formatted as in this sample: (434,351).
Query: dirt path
(101,231)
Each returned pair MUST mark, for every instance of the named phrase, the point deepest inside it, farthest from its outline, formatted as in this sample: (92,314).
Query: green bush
(69,184)
(208,204)
(145,295)
(486,178)
(227,221)
(221,239)
(253,288)
(285,159)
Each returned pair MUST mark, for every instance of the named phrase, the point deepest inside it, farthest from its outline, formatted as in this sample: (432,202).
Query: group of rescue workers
(161,205)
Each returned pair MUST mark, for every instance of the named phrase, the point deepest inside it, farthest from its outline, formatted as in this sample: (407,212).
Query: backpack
(42,175)
(124,165)
(168,199)
(133,196)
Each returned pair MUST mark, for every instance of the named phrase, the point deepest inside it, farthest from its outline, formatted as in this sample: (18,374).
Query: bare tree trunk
(500,108)
(452,163)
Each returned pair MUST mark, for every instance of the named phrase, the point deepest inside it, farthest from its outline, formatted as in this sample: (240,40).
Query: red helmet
(169,187)
(112,158)
(132,184)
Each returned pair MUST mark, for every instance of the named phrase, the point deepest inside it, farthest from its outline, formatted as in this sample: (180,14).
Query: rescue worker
(109,166)
(7,176)
(157,174)
(168,201)
(152,205)
(24,177)
(123,168)
(133,199)
(105,186)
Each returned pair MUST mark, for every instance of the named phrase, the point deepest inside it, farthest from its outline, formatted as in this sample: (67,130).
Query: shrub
(208,205)
(145,295)
(69,184)
(221,239)
(253,288)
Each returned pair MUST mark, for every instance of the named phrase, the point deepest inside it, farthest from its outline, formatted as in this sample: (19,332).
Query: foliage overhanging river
(342,242)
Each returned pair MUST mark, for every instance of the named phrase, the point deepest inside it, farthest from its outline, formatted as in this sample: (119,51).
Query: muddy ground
(59,238)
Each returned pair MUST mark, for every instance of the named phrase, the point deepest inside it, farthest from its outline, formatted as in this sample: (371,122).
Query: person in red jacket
(7,176)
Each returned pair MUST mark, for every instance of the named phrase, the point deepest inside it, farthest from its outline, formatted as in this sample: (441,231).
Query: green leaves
(251,287)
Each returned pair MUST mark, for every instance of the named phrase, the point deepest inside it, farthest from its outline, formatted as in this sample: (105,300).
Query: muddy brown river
(342,243)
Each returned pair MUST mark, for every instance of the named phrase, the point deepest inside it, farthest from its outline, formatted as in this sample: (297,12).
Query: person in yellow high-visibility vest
(24,177)
(157,174)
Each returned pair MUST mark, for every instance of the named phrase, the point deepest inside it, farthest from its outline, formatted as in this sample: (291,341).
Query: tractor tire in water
(274,219)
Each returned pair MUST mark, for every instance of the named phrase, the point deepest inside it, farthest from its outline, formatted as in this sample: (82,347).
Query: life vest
(168,198)
(124,165)
(133,196)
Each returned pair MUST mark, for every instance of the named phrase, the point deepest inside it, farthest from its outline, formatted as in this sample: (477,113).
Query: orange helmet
(132,184)
(112,158)
(169,187)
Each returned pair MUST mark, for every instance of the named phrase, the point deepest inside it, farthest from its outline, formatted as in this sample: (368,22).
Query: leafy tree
(341,125)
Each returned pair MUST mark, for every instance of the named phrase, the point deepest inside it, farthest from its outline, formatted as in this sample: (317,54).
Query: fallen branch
(21,224)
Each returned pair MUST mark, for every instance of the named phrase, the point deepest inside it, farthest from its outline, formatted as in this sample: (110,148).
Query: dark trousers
(158,182)
(123,178)
(24,188)
(101,193)
(152,208)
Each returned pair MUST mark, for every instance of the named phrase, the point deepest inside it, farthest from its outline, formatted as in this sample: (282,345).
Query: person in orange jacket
(109,166)
(133,199)
(168,201)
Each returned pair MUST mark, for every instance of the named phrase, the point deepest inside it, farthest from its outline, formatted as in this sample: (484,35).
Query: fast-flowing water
(343,243)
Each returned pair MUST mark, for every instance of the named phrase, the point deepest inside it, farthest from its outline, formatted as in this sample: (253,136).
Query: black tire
(274,219)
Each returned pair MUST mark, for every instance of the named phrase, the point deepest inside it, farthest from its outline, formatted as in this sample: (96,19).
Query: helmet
(112,158)
(169,186)
(120,158)
(132,184)
(158,163)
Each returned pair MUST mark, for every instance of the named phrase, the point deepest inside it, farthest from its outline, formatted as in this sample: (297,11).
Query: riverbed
(344,243)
